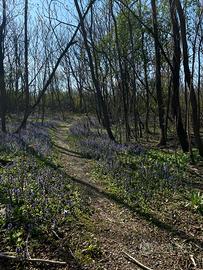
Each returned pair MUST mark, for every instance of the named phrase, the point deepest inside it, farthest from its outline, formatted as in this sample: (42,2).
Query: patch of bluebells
(87,127)
(82,129)
(36,198)
(97,145)
(35,135)
(45,124)
(106,150)
(140,172)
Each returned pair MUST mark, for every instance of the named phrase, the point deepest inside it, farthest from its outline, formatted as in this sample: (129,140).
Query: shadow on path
(69,152)
(144,215)
(96,190)
(193,185)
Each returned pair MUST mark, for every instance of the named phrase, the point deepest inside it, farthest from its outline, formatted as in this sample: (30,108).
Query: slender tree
(188,78)
(3,100)
(176,108)
(99,97)
(159,91)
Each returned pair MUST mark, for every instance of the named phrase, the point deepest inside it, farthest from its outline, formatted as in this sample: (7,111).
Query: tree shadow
(142,214)
(193,184)
(149,217)
(5,163)
(69,152)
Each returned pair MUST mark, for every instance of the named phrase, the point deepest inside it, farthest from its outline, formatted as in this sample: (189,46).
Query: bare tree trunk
(161,110)
(26,71)
(122,83)
(199,77)
(101,103)
(17,65)
(3,100)
(188,77)
(176,109)
(134,83)
(144,56)
(168,106)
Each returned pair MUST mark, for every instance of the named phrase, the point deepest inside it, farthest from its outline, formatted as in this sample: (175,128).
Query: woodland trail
(118,229)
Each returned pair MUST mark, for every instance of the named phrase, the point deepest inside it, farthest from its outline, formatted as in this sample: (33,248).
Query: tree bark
(122,84)
(176,108)
(188,78)
(159,91)
(102,105)
(26,71)
(3,99)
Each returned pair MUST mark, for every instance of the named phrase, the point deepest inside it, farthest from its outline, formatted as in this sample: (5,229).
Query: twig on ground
(72,254)
(136,261)
(27,254)
(193,261)
(55,233)
(18,258)
(9,253)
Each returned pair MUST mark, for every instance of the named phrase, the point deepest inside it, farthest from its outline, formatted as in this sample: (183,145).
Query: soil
(119,229)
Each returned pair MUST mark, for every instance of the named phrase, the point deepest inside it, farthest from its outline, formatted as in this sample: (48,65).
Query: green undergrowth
(195,201)
(42,211)
(145,181)
(148,180)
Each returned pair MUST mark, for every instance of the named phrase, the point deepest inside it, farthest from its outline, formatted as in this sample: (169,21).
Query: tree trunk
(176,109)
(3,99)
(101,103)
(123,83)
(26,72)
(188,78)
(161,110)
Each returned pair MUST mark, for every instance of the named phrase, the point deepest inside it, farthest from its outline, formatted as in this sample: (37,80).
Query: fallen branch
(18,258)
(136,261)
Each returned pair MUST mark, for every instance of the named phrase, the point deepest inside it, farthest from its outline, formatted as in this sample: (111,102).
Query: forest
(101,134)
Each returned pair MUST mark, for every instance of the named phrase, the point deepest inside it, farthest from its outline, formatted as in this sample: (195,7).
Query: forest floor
(119,229)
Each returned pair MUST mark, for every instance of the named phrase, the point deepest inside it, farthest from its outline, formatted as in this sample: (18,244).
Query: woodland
(101,134)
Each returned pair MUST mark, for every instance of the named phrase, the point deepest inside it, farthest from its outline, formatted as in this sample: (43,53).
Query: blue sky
(65,10)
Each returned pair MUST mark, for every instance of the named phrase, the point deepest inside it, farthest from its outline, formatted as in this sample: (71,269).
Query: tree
(161,110)
(100,99)
(26,70)
(55,67)
(176,108)
(188,78)
(3,100)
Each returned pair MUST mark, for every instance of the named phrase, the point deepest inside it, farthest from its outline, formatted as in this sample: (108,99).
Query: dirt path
(117,229)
